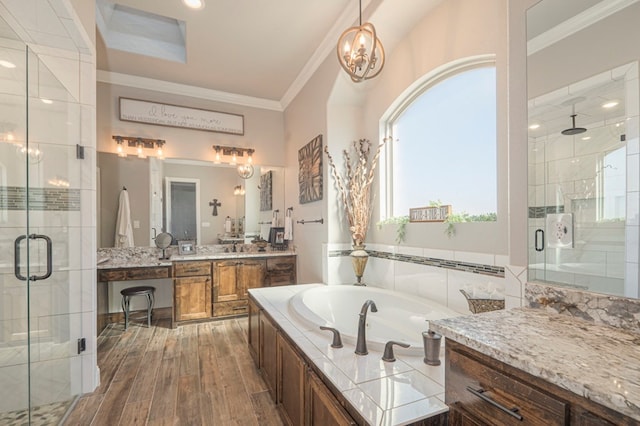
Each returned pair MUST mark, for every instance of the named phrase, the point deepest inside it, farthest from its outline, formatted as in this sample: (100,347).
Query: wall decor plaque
(162,114)
(265,191)
(429,214)
(310,171)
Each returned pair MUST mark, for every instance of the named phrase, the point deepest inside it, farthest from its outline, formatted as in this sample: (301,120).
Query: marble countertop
(384,393)
(143,257)
(598,362)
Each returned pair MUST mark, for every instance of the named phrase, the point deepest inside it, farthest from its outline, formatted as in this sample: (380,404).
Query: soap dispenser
(431,341)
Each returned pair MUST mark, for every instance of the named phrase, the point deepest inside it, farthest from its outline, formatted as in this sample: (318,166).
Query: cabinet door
(322,408)
(290,390)
(253,332)
(224,281)
(281,271)
(268,351)
(192,298)
(250,274)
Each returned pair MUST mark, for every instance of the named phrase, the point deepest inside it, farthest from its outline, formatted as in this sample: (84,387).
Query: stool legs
(125,307)
(126,302)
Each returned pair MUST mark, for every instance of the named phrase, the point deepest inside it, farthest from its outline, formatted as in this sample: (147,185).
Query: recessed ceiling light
(586,138)
(610,104)
(46,101)
(534,126)
(194,4)
(7,64)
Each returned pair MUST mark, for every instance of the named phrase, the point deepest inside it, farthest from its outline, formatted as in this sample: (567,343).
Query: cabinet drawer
(236,307)
(134,274)
(281,264)
(190,269)
(494,398)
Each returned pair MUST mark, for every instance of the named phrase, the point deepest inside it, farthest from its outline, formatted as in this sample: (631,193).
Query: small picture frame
(276,238)
(186,247)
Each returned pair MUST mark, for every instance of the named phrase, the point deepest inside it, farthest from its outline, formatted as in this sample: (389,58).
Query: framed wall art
(310,171)
(265,191)
(162,114)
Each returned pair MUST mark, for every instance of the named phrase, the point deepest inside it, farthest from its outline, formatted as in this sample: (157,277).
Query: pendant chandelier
(360,52)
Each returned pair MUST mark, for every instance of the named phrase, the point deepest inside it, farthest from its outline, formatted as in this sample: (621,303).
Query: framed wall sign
(162,114)
(429,214)
(186,247)
(310,171)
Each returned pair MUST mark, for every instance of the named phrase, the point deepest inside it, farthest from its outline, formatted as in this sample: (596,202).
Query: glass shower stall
(47,325)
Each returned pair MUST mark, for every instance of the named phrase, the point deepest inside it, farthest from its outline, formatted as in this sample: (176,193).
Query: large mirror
(193,200)
(583,144)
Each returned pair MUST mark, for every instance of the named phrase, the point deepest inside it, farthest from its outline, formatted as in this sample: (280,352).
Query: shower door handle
(541,233)
(16,258)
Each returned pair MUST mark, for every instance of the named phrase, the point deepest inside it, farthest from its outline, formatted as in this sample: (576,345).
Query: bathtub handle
(388,350)
(337,340)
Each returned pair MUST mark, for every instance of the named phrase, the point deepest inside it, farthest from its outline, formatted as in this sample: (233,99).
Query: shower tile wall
(441,284)
(62,307)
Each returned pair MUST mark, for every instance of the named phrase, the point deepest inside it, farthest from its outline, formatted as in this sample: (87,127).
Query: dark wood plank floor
(198,374)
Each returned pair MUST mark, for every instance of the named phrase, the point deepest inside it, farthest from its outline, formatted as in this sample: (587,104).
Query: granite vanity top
(142,257)
(598,362)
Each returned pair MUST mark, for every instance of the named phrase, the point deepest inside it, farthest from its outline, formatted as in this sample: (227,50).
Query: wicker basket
(483,305)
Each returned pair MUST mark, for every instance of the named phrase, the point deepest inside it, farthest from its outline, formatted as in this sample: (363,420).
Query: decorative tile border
(542,212)
(474,268)
(49,199)
(598,308)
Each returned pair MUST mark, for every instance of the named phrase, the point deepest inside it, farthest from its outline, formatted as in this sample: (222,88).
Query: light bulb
(141,151)
(217,157)
(160,153)
(119,149)
(250,159)
(234,159)
(362,40)
(347,48)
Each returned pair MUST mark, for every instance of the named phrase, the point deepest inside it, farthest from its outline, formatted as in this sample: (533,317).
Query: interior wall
(263,129)
(455,29)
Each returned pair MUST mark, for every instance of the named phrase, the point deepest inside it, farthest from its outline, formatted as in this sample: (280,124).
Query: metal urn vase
(359,258)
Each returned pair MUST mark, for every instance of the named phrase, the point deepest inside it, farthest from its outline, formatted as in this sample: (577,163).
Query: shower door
(41,292)
(579,182)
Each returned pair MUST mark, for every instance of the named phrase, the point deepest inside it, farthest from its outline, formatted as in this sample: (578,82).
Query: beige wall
(330,104)
(263,129)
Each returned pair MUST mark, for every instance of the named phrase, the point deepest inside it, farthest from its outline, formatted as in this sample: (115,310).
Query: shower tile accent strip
(542,212)
(49,199)
(474,268)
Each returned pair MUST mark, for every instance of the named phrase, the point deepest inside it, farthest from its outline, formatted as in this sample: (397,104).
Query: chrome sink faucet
(361,344)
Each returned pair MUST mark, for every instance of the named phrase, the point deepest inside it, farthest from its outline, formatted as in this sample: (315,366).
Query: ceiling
(249,52)
(243,47)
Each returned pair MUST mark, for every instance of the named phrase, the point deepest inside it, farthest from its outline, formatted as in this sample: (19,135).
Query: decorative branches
(355,186)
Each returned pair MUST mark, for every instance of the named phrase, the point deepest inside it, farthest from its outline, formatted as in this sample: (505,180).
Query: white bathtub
(400,317)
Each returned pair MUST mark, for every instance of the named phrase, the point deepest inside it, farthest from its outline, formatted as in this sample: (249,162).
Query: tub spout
(361,344)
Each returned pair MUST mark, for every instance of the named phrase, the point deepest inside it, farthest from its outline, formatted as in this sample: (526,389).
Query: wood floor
(199,374)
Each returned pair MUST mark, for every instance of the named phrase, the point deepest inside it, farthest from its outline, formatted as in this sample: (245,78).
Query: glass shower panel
(40,236)
(578,187)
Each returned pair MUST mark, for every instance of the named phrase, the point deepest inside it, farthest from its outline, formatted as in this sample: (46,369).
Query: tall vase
(359,258)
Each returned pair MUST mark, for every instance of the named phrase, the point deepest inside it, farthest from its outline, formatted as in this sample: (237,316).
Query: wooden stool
(137,291)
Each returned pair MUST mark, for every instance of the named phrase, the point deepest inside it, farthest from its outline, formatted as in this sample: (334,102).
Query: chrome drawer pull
(510,411)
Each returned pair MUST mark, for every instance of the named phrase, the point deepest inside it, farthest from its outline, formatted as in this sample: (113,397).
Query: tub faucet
(361,344)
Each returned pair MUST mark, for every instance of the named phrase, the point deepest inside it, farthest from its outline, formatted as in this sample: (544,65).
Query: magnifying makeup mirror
(163,240)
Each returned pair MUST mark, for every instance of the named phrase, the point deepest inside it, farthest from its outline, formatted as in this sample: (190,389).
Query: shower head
(573,130)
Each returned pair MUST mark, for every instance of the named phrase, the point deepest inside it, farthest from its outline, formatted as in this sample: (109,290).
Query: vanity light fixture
(245,170)
(360,52)
(140,144)
(238,190)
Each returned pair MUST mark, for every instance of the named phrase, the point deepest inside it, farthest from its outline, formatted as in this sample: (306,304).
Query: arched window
(444,144)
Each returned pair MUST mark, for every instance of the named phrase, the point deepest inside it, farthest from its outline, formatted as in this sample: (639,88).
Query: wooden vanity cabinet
(231,280)
(281,270)
(253,332)
(482,391)
(192,290)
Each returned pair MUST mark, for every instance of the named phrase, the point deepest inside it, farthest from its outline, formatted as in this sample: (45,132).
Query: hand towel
(264,231)
(274,222)
(288,228)
(124,230)
(227,225)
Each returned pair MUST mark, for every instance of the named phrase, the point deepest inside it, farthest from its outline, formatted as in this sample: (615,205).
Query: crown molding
(577,23)
(186,90)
